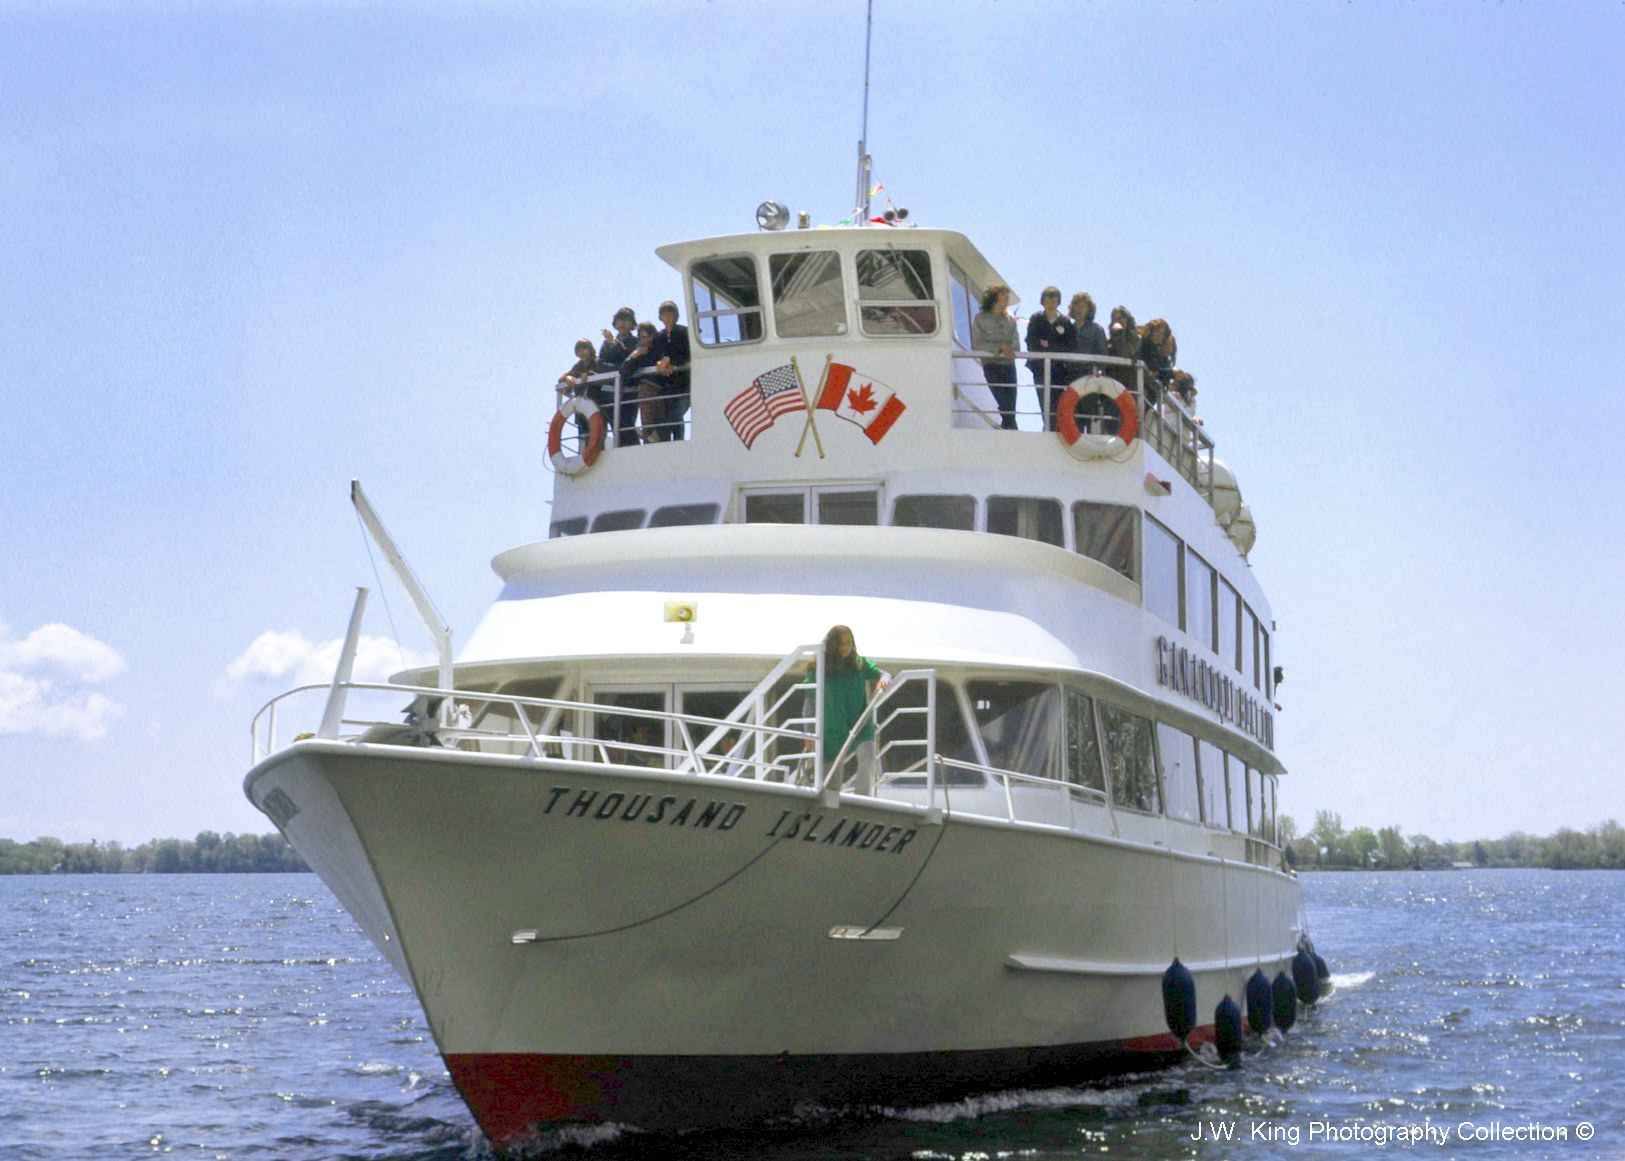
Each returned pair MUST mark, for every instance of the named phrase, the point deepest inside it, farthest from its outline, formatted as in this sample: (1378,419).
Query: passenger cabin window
(1083,759)
(1177,749)
(809,294)
(967,300)
(727,300)
(1235,778)
(674,515)
(1200,598)
(1132,759)
(895,295)
(1162,573)
(813,506)
(618,521)
(956,512)
(1019,721)
(1269,674)
(847,507)
(1210,772)
(1250,644)
(1255,803)
(1025,516)
(570,526)
(1105,532)
(1229,624)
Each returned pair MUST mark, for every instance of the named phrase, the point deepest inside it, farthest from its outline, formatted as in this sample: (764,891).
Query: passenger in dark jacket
(642,380)
(672,350)
(1050,332)
(618,344)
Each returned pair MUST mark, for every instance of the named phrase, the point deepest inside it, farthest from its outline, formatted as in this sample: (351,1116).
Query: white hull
(706,933)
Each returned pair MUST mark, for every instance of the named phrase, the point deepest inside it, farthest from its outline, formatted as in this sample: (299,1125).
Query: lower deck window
(570,526)
(674,515)
(956,512)
(1029,517)
(1019,722)
(1132,758)
(1105,532)
(1177,750)
(618,521)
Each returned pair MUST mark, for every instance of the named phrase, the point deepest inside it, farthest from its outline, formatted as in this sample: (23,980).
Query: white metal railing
(1165,422)
(619,399)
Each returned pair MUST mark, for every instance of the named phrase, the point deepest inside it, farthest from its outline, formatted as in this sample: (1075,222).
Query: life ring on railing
(574,465)
(1087,445)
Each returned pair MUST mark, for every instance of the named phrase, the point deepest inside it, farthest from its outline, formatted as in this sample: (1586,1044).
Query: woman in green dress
(847,677)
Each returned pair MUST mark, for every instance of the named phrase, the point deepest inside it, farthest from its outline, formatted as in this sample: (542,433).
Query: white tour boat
(601,844)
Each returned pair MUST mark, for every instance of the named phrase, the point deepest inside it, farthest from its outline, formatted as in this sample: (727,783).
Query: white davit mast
(647,855)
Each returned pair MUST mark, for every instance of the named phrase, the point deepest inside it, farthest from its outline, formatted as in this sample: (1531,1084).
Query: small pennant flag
(770,395)
(869,403)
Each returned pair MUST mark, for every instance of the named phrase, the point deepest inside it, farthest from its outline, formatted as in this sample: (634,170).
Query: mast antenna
(860,214)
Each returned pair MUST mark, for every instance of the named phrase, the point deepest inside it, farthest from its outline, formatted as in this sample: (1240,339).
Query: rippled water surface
(238,1016)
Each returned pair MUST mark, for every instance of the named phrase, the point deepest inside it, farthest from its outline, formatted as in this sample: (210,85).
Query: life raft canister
(574,465)
(1087,445)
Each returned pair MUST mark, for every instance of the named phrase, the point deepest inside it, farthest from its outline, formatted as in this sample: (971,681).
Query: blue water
(240,1016)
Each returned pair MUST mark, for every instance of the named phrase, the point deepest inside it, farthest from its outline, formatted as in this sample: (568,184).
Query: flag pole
(811,424)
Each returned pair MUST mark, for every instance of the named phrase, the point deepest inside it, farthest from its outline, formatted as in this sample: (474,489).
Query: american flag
(772,394)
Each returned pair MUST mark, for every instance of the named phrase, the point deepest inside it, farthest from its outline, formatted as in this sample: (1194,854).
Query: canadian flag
(869,403)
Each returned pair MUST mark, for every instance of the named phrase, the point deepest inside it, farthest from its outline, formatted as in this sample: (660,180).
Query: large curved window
(1020,722)
(1132,759)
(894,292)
(1177,750)
(809,294)
(727,300)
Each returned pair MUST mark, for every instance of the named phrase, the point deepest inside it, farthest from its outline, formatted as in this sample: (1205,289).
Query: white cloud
(292,658)
(42,678)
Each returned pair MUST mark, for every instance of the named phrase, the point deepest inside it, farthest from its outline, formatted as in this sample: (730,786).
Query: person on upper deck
(1050,332)
(617,345)
(1091,335)
(576,380)
(643,382)
(671,345)
(993,332)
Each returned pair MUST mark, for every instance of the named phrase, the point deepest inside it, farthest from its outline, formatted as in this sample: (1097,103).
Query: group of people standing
(1075,332)
(649,365)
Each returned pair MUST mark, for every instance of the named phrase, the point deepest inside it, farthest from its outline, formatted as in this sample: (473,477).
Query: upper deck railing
(650,408)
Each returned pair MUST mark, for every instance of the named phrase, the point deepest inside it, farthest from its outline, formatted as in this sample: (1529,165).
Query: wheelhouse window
(1029,517)
(727,300)
(895,295)
(967,300)
(1132,759)
(618,521)
(1083,759)
(1177,749)
(1162,573)
(1210,773)
(570,526)
(674,515)
(809,294)
(1019,722)
(956,512)
(1105,532)
(1200,599)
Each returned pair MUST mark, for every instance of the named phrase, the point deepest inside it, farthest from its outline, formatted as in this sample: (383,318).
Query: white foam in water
(1003,1102)
(574,1136)
(1341,980)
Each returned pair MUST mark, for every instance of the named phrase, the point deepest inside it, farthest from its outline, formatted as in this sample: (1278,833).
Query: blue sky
(249,251)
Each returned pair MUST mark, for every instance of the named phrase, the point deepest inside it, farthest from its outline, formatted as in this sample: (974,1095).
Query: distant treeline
(1329,845)
(208,852)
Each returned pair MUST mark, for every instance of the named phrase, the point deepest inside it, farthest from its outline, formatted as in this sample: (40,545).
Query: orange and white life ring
(574,465)
(1087,445)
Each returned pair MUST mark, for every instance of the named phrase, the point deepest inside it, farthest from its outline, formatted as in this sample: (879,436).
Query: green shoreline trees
(209,852)
(1327,845)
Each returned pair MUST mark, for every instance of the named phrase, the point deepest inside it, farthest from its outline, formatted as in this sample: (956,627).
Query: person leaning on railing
(576,380)
(993,332)
(1049,332)
(671,347)
(847,677)
(618,344)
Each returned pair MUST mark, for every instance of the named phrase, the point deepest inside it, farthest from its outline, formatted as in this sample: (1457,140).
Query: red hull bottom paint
(513,1093)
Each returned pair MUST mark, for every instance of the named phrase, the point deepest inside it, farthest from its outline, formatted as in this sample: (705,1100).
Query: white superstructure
(624,882)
